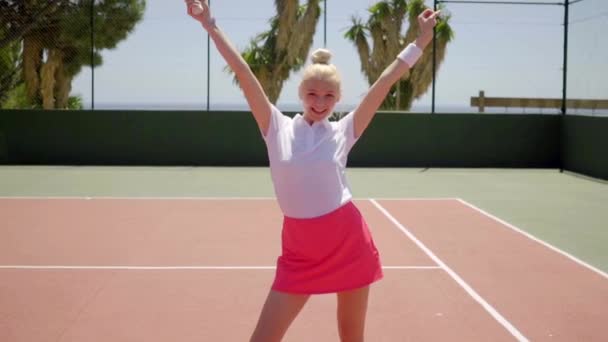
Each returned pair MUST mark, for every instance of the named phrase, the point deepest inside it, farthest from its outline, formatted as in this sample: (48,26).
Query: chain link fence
(492,56)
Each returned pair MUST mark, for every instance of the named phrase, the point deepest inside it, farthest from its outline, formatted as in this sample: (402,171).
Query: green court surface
(566,210)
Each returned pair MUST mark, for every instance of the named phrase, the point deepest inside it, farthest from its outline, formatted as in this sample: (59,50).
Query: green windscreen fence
(233,139)
(465,140)
(585,145)
(575,143)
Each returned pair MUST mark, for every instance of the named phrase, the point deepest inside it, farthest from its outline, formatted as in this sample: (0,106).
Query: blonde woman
(326,244)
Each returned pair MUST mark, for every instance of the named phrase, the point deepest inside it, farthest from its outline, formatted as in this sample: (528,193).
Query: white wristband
(410,54)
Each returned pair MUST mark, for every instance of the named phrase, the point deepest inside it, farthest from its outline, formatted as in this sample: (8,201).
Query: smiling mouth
(316,112)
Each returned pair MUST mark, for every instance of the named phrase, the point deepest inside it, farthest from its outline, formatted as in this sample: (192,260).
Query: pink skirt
(330,253)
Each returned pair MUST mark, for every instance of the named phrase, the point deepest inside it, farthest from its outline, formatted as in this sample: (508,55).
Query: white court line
(136,198)
(155,198)
(532,237)
(175,268)
(413,199)
(491,310)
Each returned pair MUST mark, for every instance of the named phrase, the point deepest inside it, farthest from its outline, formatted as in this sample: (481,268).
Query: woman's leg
(352,307)
(277,314)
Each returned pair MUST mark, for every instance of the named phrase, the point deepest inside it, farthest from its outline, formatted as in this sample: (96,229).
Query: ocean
(296,107)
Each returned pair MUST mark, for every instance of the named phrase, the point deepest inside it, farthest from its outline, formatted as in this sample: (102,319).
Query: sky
(505,50)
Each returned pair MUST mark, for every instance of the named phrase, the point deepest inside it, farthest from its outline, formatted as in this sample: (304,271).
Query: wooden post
(482,101)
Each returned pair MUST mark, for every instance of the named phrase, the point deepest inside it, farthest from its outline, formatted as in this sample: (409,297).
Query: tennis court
(156,254)
(482,237)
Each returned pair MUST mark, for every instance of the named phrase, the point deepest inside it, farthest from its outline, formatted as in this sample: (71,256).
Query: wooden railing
(482,102)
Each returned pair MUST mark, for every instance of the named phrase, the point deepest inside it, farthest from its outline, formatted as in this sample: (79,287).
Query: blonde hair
(321,69)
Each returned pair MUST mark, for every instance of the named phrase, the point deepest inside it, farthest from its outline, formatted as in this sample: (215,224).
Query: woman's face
(319,98)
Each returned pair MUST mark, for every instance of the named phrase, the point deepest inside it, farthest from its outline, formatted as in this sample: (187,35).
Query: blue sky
(504,50)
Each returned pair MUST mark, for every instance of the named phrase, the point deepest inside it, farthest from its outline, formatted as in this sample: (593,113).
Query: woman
(326,244)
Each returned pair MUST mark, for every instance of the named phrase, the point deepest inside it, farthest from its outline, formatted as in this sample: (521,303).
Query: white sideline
(532,237)
(491,310)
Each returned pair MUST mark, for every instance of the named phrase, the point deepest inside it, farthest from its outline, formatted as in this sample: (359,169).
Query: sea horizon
(340,108)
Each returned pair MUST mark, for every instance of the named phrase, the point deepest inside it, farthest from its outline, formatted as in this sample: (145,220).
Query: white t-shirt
(308,162)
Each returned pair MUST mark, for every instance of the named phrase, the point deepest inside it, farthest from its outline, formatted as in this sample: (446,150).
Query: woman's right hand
(205,17)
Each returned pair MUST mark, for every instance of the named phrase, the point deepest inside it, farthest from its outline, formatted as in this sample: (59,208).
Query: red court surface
(199,270)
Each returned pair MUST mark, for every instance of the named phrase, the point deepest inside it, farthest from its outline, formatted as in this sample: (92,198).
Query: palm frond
(357,34)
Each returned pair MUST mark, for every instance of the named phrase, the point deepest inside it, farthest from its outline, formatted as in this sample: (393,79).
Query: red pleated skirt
(326,254)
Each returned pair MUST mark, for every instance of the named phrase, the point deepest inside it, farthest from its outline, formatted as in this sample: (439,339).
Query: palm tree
(384,27)
(64,37)
(273,55)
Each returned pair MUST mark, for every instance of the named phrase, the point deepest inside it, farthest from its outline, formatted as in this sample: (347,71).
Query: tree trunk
(274,91)
(47,75)
(63,87)
(32,59)
(398,97)
(272,95)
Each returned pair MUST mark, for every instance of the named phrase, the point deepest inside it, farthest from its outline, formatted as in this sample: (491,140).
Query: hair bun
(321,56)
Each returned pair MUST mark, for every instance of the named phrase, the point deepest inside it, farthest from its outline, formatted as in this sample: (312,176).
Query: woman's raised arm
(254,93)
(364,113)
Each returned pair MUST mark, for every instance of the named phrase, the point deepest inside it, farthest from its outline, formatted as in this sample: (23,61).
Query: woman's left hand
(426,22)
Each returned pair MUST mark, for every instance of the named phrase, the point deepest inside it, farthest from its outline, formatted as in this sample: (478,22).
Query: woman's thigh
(352,309)
(280,309)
